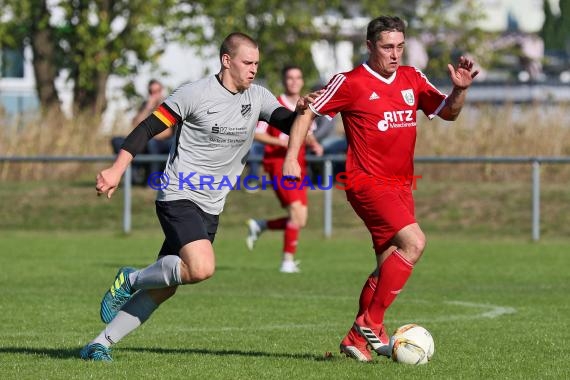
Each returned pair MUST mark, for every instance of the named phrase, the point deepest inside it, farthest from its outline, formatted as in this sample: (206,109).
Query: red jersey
(379,117)
(274,152)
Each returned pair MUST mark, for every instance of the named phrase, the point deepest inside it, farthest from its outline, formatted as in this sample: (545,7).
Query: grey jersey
(213,141)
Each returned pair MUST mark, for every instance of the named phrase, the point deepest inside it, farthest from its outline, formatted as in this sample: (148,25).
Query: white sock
(288,256)
(163,273)
(133,314)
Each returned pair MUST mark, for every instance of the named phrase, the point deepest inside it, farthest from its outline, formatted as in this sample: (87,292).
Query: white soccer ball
(412,344)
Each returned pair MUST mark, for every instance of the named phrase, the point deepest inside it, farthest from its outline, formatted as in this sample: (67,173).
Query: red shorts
(287,192)
(384,211)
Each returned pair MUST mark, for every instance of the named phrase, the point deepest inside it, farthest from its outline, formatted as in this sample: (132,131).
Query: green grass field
(497,308)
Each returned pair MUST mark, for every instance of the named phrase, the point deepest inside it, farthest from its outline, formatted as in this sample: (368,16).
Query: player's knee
(297,222)
(298,215)
(201,276)
(416,247)
(196,272)
(301,221)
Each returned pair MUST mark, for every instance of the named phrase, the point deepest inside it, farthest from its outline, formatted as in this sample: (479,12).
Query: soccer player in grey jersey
(216,118)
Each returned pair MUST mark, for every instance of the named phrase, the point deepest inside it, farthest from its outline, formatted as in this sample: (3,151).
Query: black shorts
(184,222)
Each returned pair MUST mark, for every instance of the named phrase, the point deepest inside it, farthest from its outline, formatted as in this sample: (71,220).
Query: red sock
(277,224)
(290,238)
(366,294)
(394,273)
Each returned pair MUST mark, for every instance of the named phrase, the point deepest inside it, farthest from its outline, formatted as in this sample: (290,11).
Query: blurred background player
(159,144)
(378,102)
(294,200)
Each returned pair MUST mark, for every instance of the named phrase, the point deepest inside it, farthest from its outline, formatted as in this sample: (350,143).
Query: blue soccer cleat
(119,293)
(96,352)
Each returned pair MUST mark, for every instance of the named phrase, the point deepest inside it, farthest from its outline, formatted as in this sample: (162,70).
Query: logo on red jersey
(373,96)
(408,96)
(397,119)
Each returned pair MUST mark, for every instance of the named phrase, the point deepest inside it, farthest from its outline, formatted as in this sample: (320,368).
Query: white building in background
(17,83)
(528,14)
(180,64)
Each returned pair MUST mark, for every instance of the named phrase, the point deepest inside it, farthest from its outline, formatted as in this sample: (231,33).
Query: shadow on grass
(67,353)
(56,353)
(206,351)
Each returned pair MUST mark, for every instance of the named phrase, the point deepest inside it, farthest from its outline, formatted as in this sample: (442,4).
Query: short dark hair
(384,24)
(233,40)
(286,69)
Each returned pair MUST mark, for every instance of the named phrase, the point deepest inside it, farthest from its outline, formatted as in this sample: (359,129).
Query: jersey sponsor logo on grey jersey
(245,110)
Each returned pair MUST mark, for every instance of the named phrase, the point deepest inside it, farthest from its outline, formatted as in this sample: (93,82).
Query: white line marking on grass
(494,312)
(490,311)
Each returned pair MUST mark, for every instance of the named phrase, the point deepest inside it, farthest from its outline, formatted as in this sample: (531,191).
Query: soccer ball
(412,344)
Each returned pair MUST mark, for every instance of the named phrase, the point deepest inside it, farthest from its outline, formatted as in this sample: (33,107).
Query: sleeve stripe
(165,114)
(168,113)
(329,92)
(171,112)
(437,111)
(427,81)
(315,111)
(163,118)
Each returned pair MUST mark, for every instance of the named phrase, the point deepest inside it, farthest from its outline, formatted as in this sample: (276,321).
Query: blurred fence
(327,162)
(515,93)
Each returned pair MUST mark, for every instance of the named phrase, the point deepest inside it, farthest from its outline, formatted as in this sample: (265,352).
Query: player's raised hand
(304,101)
(107,182)
(463,75)
(292,170)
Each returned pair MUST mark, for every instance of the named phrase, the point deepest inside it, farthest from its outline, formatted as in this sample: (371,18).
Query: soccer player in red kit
(293,198)
(378,101)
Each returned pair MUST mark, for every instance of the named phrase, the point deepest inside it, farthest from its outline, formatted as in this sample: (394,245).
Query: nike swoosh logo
(210,112)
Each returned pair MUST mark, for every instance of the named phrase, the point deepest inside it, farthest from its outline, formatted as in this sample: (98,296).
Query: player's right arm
(327,102)
(159,121)
(299,130)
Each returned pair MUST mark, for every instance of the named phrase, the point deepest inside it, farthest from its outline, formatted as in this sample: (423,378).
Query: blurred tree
(284,30)
(550,32)
(564,25)
(27,23)
(446,28)
(88,40)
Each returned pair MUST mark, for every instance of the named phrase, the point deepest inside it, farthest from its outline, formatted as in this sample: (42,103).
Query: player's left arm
(282,118)
(462,77)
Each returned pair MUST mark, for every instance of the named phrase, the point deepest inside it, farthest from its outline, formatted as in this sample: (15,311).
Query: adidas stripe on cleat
(376,337)
(117,295)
